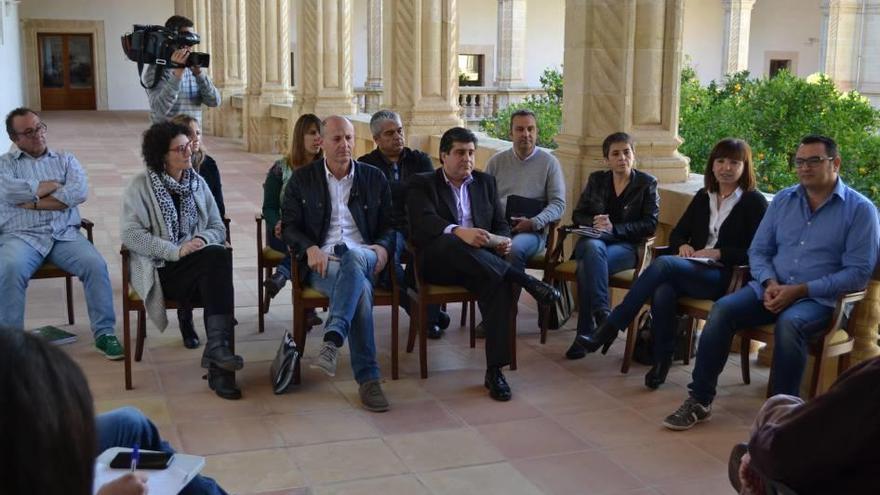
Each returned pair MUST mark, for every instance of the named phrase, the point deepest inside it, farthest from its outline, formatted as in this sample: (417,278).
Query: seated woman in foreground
(718,225)
(172,227)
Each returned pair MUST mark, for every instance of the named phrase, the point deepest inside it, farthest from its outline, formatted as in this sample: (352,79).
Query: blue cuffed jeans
(663,282)
(19,261)
(127,426)
(796,325)
(596,259)
(523,246)
(349,285)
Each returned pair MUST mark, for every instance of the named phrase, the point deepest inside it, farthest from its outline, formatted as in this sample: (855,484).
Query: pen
(135,456)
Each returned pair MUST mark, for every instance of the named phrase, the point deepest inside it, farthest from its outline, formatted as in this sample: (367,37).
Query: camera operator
(183,89)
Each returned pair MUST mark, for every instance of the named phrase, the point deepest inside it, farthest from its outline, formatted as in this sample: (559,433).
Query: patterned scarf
(179,224)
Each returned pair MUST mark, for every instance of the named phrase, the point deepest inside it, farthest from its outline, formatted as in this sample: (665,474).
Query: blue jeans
(524,246)
(663,282)
(349,285)
(596,259)
(19,261)
(796,325)
(127,426)
(279,245)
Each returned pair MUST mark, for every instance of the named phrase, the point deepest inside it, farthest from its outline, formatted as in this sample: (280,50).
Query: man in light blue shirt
(818,240)
(39,222)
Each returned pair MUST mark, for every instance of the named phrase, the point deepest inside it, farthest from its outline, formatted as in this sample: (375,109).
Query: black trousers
(205,277)
(450,261)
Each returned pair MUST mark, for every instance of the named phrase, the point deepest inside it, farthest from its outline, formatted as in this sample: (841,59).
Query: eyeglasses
(182,149)
(811,162)
(30,133)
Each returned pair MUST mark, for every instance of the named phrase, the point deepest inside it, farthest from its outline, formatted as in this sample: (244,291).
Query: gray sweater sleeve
(207,91)
(136,229)
(555,194)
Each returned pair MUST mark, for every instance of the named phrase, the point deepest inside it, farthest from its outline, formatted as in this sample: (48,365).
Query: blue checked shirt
(187,95)
(20,176)
(833,249)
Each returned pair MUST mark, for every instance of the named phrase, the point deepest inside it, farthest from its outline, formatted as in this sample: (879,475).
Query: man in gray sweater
(527,171)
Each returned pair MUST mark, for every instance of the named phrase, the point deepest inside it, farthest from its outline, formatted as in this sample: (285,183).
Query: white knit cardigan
(146,236)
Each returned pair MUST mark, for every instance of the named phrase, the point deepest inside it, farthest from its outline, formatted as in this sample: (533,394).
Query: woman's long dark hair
(47,421)
(297,156)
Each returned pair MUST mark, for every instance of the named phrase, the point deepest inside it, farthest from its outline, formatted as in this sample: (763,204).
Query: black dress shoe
(497,385)
(542,292)
(576,351)
(443,320)
(274,284)
(603,337)
(656,376)
(187,329)
(435,332)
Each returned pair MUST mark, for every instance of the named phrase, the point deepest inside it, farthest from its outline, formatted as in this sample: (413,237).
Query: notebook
(521,206)
(183,469)
(55,335)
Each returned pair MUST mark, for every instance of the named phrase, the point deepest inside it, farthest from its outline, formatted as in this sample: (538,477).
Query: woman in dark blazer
(621,203)
(717,226)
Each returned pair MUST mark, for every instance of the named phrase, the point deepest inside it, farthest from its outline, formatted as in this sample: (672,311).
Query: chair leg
(68,285)
(464,308)
(769,381)
(473,322)
(843,363)
(544,320)
(126,344)
(472,329)
(689,335)
(261,308)
(744,345)
(818,368)
(299,338)
(394,337)
(413,324)
(512,329)
(141,335)
(630,346)
(423,340)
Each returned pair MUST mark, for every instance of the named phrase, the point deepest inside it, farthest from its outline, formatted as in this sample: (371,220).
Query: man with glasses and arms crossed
(818,239)
(39,221)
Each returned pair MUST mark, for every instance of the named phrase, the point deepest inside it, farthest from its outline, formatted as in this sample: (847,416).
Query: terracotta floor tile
(155,408)
(531,438)
(230,435)
(428,451)
(482,409)
(206,406)
(568,398)
(614,428)
(312,428)
(256,471)
(666,461)
(392,485)
(492,478)
(589,472)
(397,391)
(715,484)
(343,461)
(414,416)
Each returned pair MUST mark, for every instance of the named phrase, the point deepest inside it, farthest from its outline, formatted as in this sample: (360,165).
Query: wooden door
(67,71)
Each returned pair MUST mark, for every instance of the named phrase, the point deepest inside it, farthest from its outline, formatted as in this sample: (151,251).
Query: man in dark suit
(455,216)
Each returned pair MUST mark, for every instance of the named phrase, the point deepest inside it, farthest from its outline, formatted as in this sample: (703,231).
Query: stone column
(228,63)
(268,74)
(373,83)
(621,79)
(199,11)
(737,25)
(325,46)
(511,49)
(840,50)
(421,70)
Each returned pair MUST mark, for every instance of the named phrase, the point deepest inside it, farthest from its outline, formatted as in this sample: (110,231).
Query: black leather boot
(187,328)
(218,350)
(222,382)
(656,376)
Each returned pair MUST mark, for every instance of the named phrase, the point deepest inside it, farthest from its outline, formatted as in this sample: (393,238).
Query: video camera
(154,45)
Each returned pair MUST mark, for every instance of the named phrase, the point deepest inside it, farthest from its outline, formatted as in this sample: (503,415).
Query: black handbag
(643,352)
(560,312)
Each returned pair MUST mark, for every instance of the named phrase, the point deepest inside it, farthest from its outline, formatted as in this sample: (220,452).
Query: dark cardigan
(735,234)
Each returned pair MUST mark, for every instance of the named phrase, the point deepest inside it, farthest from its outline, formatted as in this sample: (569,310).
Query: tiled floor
(573,427)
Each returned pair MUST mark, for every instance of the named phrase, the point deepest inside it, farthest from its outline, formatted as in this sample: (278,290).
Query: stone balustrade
(479,102)
(368,100)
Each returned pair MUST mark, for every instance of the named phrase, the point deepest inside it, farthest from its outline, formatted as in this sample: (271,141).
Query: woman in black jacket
(717,228)
(622,205)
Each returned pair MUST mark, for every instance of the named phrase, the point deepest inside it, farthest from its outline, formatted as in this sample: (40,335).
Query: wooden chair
(267,259)
(424,294)
(835,341)
(566,270)
(49,270)
(131,301)
(305,298)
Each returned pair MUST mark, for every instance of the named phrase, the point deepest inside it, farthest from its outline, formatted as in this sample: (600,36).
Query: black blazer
(306,209)
(735,234)
(431,206)
(641,204)
(411,162)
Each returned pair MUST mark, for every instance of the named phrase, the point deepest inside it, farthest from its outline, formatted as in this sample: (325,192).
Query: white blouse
(717,215)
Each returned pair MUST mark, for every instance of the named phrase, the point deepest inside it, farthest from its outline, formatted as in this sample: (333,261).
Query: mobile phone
(147,460)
